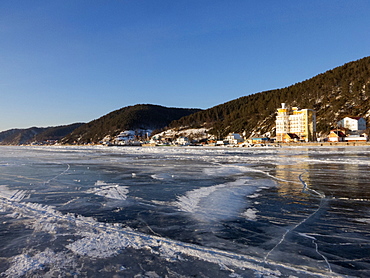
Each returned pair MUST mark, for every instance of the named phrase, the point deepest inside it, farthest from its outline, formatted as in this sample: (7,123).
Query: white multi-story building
(353,123)
(234,138)
(301,122)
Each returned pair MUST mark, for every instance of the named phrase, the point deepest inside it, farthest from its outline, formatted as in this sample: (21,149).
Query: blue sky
(73,61)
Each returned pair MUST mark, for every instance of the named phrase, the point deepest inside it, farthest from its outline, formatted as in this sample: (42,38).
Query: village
(293,125)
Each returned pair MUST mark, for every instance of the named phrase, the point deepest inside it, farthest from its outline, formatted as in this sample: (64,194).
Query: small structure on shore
(336,136)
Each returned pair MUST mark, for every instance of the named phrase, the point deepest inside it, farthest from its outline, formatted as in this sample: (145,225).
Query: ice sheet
(101,240)
(274,212)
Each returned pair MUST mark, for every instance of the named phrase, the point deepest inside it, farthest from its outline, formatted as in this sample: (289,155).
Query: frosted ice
(13,195)
(111,191)
(220,202)
(287,212)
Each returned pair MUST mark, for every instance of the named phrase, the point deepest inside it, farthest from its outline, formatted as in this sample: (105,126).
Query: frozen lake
(184,212)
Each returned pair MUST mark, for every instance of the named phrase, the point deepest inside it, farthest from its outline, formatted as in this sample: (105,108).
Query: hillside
(342,91)
(39,134)
(57,132)
(141,116)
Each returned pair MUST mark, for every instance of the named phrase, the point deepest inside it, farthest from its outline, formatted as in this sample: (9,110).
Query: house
(222,143)
(182,141)
(356,138)
(234,138)
(290,137)
(336,136)
(353,123)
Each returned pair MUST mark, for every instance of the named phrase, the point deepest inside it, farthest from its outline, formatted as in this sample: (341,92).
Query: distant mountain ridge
(32,134)
(140,116)
(334,94)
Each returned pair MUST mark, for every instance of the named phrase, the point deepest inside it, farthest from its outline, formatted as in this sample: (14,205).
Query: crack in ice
(322,196)
(62,173)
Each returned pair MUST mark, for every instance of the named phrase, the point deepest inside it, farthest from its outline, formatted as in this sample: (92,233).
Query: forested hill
(140,116)
(342,91)
(35,134)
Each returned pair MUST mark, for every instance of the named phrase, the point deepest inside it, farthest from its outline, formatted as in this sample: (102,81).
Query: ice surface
(101,240)
(184,212)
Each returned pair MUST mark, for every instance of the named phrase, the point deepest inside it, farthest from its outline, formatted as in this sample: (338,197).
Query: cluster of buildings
(299,125)
(127,138)
(349,129)
(292,125)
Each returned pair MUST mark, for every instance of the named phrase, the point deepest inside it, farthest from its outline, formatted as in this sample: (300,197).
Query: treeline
(57,132)
(141,116)
(343,91)
(35,134)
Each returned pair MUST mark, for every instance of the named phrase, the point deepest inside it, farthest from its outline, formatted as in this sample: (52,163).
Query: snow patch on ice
(99,245)
(235,275)
(25,263)
(150,274)
(364,220)
(254,196)
(111,191)
(250,214)
(162,176)
(13,195)
(220,202)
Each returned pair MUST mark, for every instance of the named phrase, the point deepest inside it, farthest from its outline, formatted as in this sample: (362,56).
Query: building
(356,138)
(336,136)
(182,141)
(259,140)
(301,122)
(290,137)
(353,123)
(234,138)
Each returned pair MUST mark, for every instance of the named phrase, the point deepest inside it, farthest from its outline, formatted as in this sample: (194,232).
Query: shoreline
(281,144)
(324,144)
